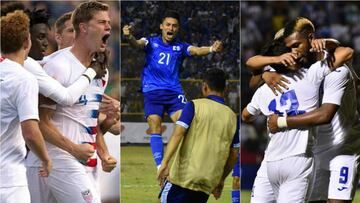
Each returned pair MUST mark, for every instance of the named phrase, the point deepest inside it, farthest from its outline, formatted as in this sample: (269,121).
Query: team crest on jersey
(87,195)
(156,45)
(176,48)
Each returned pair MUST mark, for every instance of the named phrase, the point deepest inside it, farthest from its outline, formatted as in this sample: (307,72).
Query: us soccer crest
(88,197)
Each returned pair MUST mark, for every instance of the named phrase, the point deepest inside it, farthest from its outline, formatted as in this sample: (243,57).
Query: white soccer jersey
(18,102)
(344,129)
(301,97)
(51,88)
(78,122)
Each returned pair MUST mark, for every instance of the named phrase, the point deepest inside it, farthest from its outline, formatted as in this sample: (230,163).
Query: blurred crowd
(261,20)
(57,8)
(202,22)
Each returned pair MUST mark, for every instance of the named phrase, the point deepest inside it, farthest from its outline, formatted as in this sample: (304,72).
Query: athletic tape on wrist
(281,122)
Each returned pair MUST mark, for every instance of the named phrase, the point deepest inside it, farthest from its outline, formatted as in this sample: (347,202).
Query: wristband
(211,49)
(281,122)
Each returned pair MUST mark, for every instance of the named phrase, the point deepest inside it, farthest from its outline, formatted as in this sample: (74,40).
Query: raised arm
(137,43)
(205,50)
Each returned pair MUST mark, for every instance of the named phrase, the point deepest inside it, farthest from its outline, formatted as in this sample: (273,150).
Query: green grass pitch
(138,179)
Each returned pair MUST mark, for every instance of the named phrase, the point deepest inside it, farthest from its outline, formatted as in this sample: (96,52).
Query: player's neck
(18,57)
(81,52)
(213,93)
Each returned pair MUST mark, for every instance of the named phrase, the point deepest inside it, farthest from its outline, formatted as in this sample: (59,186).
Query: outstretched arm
(140,43)
(205,50)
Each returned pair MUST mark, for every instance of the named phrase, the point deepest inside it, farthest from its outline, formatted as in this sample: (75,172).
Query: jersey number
(294,104)
(344,173)
(182,97)
(163,58)
(83,99)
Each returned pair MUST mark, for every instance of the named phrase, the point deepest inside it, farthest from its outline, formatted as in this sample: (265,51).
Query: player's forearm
(101,146)
(246,116)
(71,94)
(115,129)
(341,56)
(255,81)
(34,139)
(258,62)
(230,163)
(173,143)
(319,116)
(134,42)
(200,51)
(52,134)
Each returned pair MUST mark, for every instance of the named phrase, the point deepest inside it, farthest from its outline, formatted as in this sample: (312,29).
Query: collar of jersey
(176,39)
(216,98)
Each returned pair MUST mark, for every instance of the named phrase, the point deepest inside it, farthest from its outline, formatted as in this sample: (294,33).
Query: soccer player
(160,77)
(19,111)
(71,181)
(205,142)
(303,97)
(64,31)
(336,157)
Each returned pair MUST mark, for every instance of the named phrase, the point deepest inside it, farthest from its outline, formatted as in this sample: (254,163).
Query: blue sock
(235,194)
(157,148)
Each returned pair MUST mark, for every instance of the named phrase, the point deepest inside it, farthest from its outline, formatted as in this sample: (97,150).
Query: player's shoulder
(60,60)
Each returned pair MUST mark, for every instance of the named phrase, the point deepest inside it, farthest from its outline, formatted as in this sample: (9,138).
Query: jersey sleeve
(53,88)
(254,106)
(27,99)
(147,47)
(335,85)
(187,115)
(186,49)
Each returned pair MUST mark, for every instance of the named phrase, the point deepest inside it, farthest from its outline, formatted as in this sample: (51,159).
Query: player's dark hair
(60,22)
(276,47)
(216,79)
(10,7)
(38,16)
(302,25)
(171,14)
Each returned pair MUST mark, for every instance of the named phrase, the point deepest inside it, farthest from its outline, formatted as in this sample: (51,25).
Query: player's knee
(236,183)
(154,124)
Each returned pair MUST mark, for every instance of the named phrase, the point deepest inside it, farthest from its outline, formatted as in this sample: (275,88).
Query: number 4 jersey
(162,64)
(302,96)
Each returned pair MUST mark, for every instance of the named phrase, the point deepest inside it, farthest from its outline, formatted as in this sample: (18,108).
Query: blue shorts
(236,170)
(171,193)
(160,101)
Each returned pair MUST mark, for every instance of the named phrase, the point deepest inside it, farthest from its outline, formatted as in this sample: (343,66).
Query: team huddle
(303,162)
(55,105)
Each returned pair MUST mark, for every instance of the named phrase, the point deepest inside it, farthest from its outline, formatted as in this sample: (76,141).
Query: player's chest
(166,55)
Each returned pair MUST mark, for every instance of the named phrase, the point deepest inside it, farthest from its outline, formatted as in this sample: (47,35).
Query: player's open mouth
(105,39)
(170,34)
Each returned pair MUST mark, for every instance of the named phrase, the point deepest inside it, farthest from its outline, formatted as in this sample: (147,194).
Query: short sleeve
(187,115)
(254,106)
(334,85)
(27,99)
(318,71)
(186,49)
(147,47)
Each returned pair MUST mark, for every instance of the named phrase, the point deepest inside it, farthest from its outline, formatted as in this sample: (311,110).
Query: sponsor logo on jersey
(342,188)
(87,195)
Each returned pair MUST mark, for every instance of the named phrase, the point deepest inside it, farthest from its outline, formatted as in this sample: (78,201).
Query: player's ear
(161,26)
(311,36)
(58,38)
(27,42)
(82,27)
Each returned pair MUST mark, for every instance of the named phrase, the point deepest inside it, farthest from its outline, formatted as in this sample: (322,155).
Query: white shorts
(291,178)
(39,190)
(15,194)
(64,186)
(335,178)
(262,191)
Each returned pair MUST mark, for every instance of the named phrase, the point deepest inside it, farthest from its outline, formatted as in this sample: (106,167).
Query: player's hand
(162,174)
(217,46)
(127,30)
(318,45)
(287,59)
(100,63)
(110,107)
(275,81)
(218,190)
(45,169)
(108,163)
(272,123)
(83,152)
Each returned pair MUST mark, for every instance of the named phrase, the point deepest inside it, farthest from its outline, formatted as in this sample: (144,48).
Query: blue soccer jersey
(163,61)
